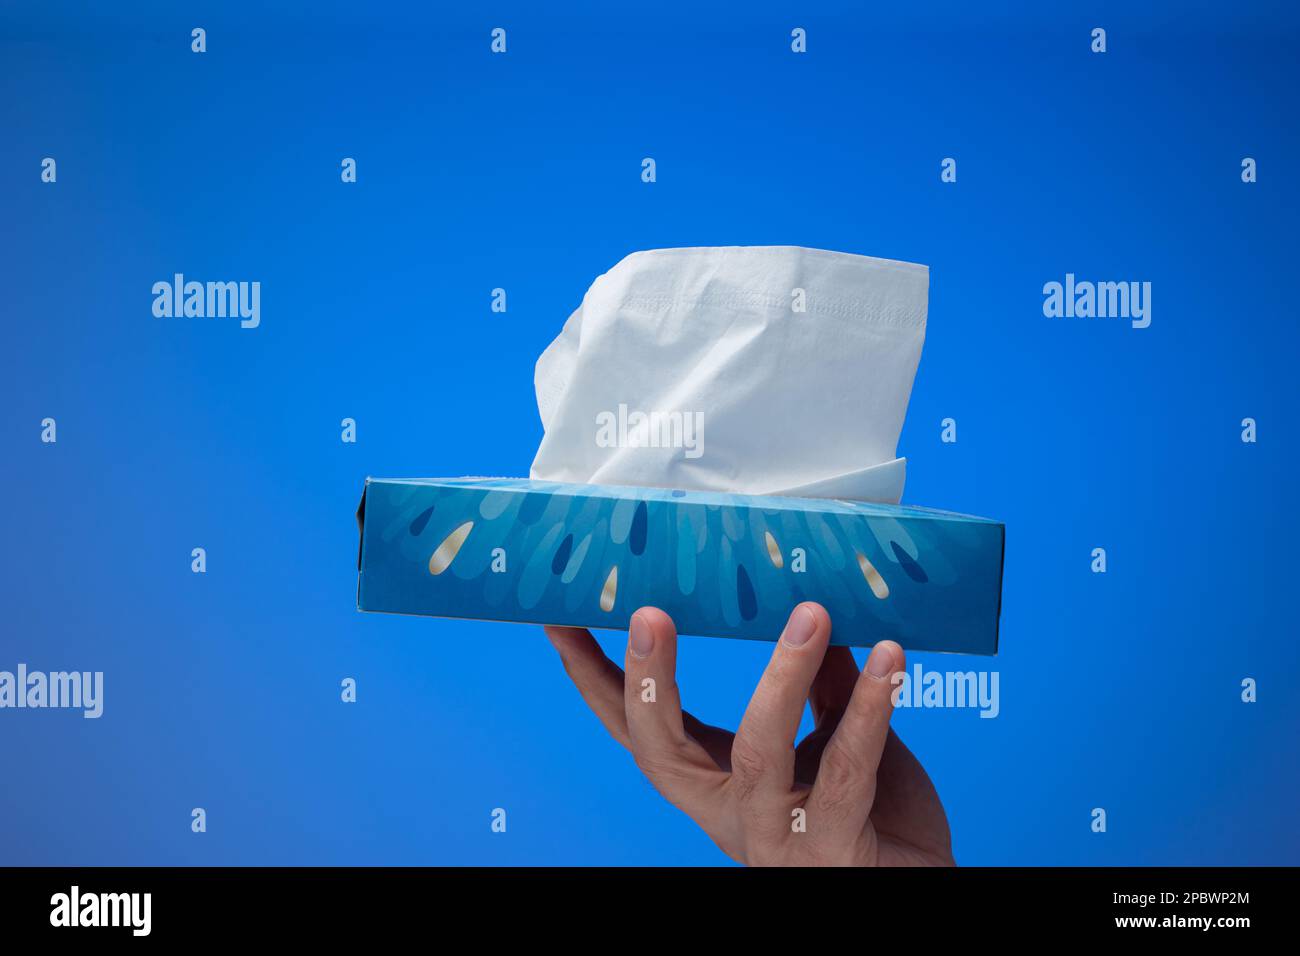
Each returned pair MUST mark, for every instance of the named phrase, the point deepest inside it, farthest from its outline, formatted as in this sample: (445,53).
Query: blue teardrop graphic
(534,504)
(561,559)
(421,520)
(620,519)
(685,556)
(678,494)
(745,594)
(914,570)
(636,540)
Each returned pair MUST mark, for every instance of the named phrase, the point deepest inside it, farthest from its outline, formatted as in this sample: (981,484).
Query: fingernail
(880,663)
(641,640)
(799,628)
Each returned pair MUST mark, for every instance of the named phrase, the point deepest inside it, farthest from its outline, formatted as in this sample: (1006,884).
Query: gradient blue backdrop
(523,171)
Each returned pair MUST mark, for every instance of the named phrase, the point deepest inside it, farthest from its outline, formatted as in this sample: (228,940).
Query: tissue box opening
(722,565)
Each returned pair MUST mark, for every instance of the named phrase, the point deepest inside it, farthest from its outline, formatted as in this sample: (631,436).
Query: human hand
(850,794)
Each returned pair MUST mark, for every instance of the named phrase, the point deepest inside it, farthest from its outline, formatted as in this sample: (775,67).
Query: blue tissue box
(722,565)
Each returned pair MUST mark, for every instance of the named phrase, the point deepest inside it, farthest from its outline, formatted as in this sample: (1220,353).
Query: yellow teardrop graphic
(878,586)
(447,551)
(608,592)
(773,551)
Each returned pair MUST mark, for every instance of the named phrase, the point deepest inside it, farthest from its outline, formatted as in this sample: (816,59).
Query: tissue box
(722,565)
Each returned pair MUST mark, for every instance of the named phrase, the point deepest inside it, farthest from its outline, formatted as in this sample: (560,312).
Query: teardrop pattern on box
(551,552)
(561,559)
(773,550)
(446,552)
(417,526)
(609,593)
(877,584)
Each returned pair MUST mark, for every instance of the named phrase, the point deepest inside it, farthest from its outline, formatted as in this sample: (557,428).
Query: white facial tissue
(762,370)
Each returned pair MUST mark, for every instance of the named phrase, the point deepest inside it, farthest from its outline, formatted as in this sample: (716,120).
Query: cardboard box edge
(361,536)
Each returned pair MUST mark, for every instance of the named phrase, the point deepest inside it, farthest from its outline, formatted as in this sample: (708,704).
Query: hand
(850,794)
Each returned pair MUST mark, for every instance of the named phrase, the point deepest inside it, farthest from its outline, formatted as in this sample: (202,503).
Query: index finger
(679,767)
(598,679)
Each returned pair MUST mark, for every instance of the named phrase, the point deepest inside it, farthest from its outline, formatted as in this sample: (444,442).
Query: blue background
(522,171)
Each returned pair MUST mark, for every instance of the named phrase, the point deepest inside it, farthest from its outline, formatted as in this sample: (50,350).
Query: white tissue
(740,391)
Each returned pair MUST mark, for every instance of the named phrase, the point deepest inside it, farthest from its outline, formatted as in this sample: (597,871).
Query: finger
(833,686)
(600,682)
(842,795)
(831,690)
(598,679)
(762,756)
(676,764)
